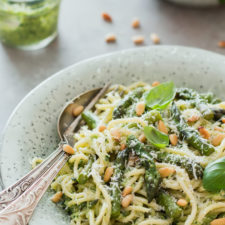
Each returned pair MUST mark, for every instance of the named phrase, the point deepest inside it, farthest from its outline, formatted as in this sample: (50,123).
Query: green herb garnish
(156,137)
(214,176)
(160,96)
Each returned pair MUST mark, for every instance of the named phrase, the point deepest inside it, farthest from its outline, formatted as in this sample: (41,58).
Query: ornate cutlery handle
(20,211)
(16,190)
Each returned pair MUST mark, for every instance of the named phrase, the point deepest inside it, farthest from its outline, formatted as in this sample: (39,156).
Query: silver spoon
(18,202)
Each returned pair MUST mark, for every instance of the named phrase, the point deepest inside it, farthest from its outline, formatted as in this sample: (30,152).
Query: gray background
(82,32)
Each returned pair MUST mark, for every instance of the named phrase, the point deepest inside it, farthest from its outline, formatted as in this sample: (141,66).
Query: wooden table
(82,33)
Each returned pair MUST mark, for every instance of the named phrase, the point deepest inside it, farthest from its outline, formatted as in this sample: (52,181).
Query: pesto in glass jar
(28,24)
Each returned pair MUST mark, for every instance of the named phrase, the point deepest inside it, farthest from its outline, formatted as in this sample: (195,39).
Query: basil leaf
(214,176)
(156,137)
(160,96)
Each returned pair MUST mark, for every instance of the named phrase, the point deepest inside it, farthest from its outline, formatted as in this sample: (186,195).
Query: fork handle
(17,189)
(20,210)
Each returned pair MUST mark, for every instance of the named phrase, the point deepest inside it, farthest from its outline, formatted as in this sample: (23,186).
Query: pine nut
(155,38)
(140,108)
(110,38)
(138,40)
(57,196)
(166,171)
(127,190)
(220,221)
(223,120)
(122,146)
(173,139)
(221,44)
(155,83)
(68,149)
(78,110)
(142,138)
(108,174)
(204,133)
(193,118)
(135,23)
(106,17)
(218,139)
(182,202)
(115,133)
(219,129)
(101,128)
(127,201)
(162,127)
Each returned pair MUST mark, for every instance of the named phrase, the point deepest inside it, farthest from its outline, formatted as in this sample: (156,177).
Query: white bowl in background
(202,3)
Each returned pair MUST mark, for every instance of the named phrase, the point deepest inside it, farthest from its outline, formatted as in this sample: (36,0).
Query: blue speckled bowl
(31,130)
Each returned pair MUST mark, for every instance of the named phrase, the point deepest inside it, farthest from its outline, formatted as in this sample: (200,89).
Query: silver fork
(18,202)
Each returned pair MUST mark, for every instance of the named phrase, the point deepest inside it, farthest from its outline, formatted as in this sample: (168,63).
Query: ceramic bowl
(31,129)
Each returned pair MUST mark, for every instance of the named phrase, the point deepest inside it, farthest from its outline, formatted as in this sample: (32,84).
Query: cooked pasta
(122,174)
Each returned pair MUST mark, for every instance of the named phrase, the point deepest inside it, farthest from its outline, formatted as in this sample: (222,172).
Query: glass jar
(28,24)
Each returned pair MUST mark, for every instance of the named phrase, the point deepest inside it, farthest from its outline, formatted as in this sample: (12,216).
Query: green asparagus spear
(83,177)
(190,94)
(194,169)
(90,119)
(200,101)
(192,136)
(209,218)
(171,208)
(152,177)
(129,99)
(116,180)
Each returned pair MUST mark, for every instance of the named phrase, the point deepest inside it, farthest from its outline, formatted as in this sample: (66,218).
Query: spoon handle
(21,210)
(16,190)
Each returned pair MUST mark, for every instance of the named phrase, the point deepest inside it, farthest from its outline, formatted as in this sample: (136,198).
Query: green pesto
(24,24)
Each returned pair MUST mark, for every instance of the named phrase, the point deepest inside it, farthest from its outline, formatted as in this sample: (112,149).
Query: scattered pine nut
(173,139)
(127,190)
(138,40)
(78,110)
(220,221)
(182,202)
(127,201)
(223,120)
(115,133)
(122,147)
(135,23)
(57,196)
(221,44)
(140,108)
(155,83)
(155,38)
(216,141)
(101,128)
(142,138)
(204,133)
(106,17)
(68,149)
(166,171)
(193,118)
(219,129)
(110,38)
(162,127)
(108,174)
